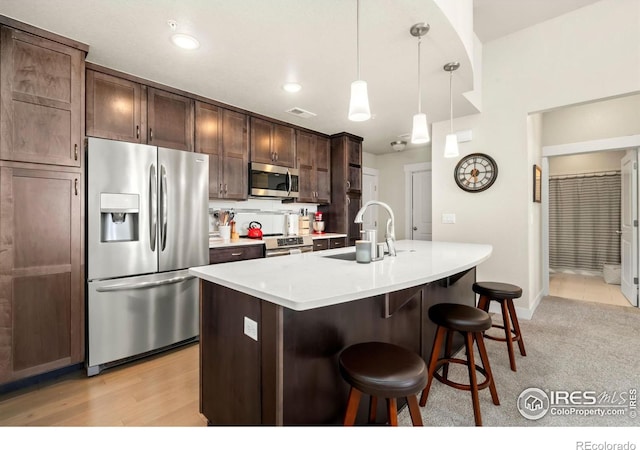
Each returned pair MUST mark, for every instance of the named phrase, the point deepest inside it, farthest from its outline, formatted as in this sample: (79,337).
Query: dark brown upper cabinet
(223,135)
(41,99)
(170,118)
(124,110)
(313,153)
(272,143)
(116,108)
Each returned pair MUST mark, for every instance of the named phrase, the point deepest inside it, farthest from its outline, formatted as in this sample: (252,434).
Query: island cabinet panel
(223,135)
(170,119)
(41,99)
(272,143)
(290,375)
(116,108)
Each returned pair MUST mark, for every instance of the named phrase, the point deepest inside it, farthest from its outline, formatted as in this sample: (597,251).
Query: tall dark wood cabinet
(272,143)
(346,186)
(223,135)
(314,159)
(125,110)
(41,201)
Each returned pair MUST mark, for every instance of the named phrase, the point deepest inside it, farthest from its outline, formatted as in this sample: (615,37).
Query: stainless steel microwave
(267,180)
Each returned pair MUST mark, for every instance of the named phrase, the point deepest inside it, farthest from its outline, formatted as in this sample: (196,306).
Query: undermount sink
(351,256)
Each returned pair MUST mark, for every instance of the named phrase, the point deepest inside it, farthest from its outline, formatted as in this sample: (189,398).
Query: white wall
(596,120)
(591,53)
(584,163)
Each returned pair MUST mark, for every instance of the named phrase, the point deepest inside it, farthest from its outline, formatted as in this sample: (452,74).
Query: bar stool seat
(471,322)
(382,370)
(504,294)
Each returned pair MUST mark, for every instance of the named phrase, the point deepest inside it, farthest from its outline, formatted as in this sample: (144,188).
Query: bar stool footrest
(464,387)
(514,335)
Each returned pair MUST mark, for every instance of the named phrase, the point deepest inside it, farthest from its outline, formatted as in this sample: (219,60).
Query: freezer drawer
(134,315)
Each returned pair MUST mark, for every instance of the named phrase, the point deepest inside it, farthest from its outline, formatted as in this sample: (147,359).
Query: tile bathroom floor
(585,287)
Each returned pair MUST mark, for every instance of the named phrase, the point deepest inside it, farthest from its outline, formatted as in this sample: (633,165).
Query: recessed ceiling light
(185,41)
(292,87)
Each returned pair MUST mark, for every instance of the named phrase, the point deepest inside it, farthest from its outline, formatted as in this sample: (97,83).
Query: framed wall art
(537,184)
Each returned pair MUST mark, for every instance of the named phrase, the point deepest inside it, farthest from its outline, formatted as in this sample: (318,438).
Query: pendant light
(420,130)
(359,104)
(451,142)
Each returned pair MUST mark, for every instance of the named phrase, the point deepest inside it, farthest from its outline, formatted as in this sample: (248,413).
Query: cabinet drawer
(238,253)
(320,244)
(337,242)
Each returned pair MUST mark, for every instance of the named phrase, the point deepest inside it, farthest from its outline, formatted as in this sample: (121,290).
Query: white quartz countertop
(217,242)
(327,235)
(311,280)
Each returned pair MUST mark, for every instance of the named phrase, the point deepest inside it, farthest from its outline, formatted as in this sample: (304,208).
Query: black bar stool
(382,370)
(504,294)
(471,322)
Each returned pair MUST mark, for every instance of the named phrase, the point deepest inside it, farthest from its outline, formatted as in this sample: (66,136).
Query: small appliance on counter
(318,224)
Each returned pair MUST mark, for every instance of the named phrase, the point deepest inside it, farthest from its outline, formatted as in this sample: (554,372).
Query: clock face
(476,172)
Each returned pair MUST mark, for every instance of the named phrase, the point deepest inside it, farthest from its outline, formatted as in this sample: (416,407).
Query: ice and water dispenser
(119,216)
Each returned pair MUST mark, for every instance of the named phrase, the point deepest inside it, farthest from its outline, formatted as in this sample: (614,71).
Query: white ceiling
(250,47)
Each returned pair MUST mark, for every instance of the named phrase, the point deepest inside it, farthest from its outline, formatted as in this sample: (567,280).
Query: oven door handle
(277,252)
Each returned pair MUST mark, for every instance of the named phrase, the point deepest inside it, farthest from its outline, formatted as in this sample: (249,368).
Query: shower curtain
(584,215)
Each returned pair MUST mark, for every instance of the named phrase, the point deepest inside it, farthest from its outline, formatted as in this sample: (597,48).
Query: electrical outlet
(251,328)
(448,218)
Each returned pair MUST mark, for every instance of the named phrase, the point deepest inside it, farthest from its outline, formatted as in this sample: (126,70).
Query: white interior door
(629,225)
(421,224)
(370,192)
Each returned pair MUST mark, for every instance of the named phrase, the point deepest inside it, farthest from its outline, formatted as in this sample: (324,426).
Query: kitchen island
(271,330)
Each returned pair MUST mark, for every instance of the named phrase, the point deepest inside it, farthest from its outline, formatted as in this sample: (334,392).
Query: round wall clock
(476,172)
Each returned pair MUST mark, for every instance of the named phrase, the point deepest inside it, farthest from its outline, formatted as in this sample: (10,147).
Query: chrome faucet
(390,236)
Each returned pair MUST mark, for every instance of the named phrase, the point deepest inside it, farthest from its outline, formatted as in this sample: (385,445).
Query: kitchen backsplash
(268,212)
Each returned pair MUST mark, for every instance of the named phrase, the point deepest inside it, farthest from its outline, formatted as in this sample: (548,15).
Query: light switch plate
(448,218)
(251,328)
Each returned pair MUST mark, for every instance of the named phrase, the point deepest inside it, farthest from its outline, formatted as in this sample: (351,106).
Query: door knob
(618,232)
(415,228)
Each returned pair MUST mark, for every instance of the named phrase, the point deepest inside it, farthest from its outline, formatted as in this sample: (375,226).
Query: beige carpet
(571,346)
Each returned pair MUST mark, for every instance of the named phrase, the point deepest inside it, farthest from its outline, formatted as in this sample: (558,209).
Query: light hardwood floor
(585,287)
(157,391)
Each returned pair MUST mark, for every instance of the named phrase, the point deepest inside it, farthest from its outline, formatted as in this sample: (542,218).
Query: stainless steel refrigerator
(147,223)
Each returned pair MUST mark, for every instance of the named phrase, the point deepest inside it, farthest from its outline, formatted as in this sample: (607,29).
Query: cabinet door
(41,95)
(170,120)
(320,244)
(305,144)
(114,108)
(322,163)
(337,242)
(261,148)
(353,229)
(235,155)
(41,279)
(284,145)
(208,118)
(355,152)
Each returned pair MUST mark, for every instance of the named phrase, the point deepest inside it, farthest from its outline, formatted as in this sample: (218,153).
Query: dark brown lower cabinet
(41,270)
(290,375)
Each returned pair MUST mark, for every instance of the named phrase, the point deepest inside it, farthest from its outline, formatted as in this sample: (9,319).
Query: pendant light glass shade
(359,105)
(451,146)
(359,110)
(420,131)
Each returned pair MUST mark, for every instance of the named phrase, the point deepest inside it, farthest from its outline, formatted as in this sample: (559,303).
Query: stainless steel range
(281,245)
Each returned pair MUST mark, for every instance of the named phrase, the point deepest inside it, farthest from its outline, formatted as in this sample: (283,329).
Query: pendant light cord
(451,100)
(358,36)
(419,84)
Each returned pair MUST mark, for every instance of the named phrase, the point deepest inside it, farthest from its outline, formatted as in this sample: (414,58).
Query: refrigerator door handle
(143,285)
(163,208)
(153,207)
